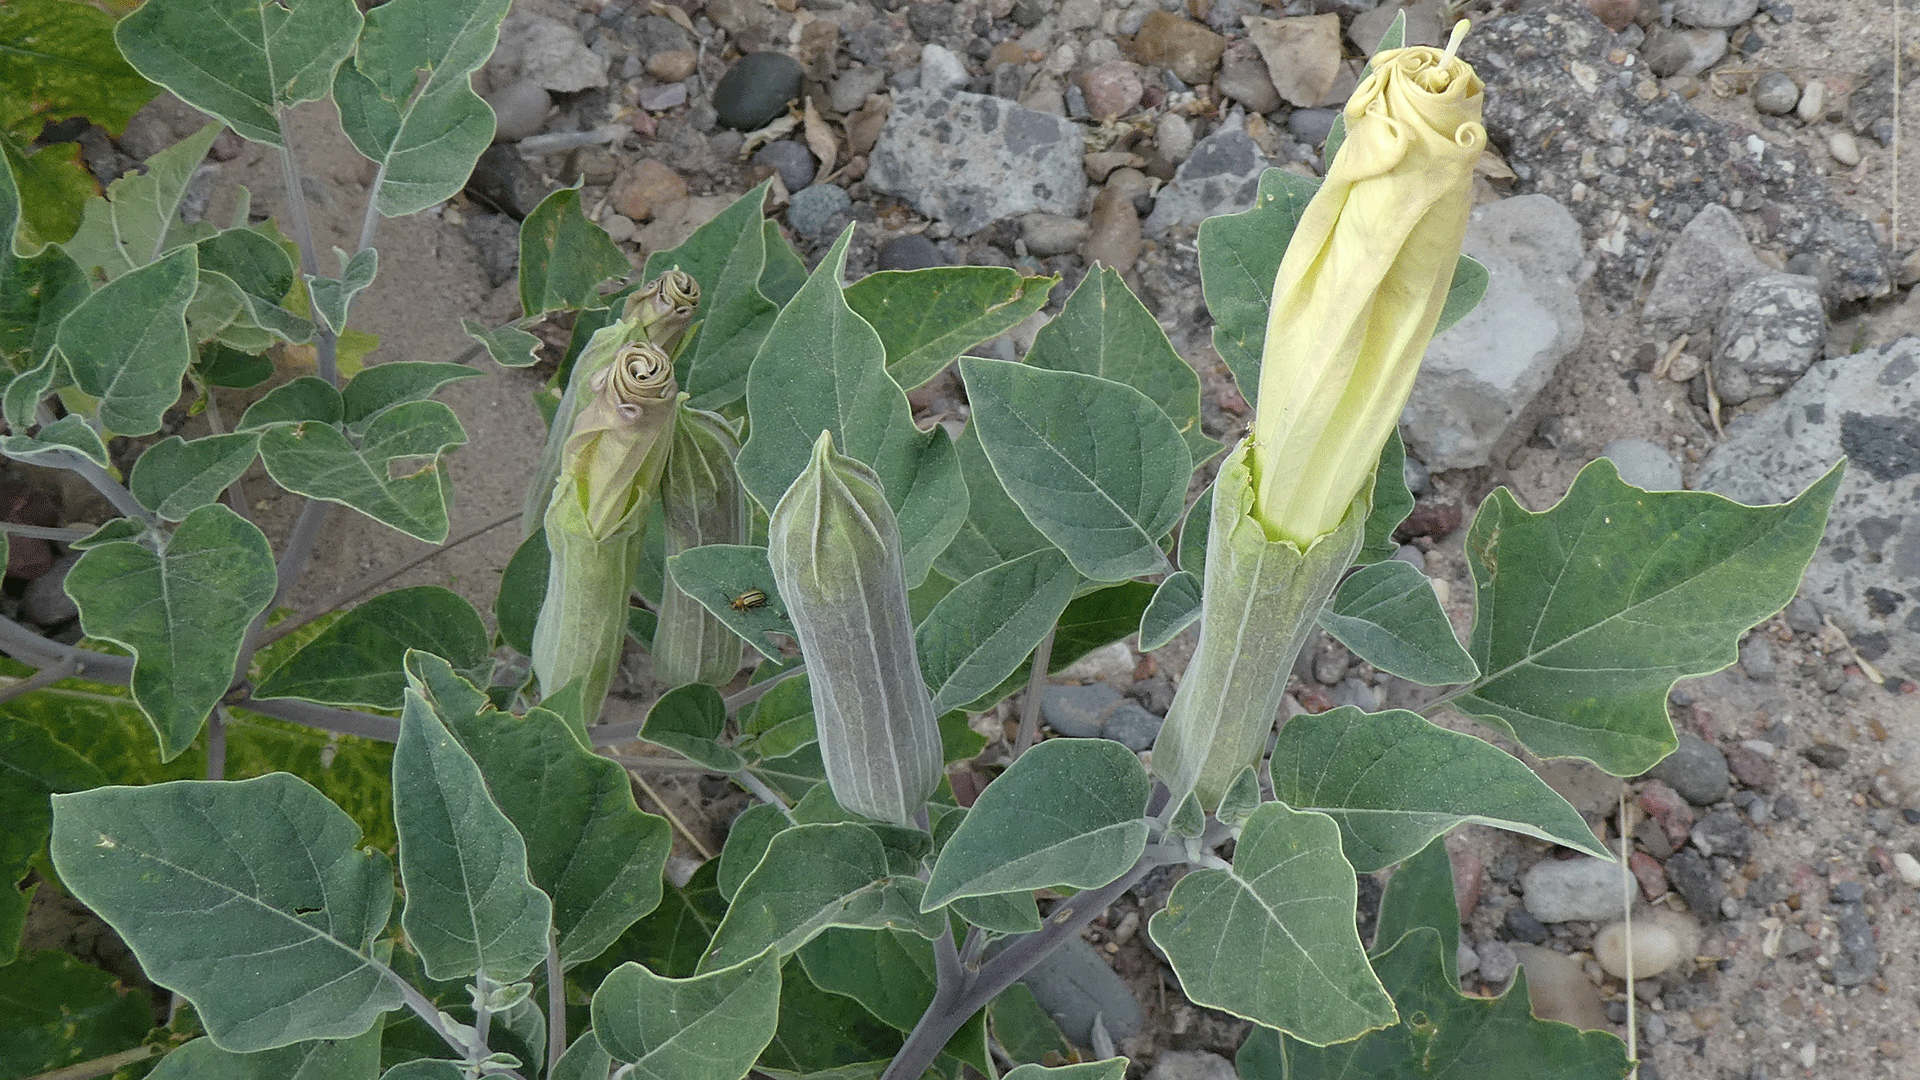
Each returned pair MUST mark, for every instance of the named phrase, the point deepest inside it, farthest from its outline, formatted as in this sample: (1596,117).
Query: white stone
(940,68)
(1844,148)
(1655,949)
(1909,868)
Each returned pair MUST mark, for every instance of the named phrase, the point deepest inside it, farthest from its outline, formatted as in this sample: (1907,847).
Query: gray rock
(909,252)
(792,160)
(502,179)
(756,89)
(940,69)
(1497,962)
(1720,14)
(851,89)
(1132,727)
(1574,889)
(1191,1065)
(1355,691)
(970,160)
(546,52)
(1052,234)
(496,245)
(1480,374)
(1705,48)
(1075,984)
(160,123)
(1858,959)
(1311,126)
(46,603)
(1722,833)
(1243,78)
(1696,769)
(1757,658)
(1080,712)
(1693,878)
(1773,328)
(1866,573)
(1644,464)
(1775,93)
(811,211)
(1220,177)
(1803,616)
(1465,960)
(1173,137)
(1827,755)
(1710,259)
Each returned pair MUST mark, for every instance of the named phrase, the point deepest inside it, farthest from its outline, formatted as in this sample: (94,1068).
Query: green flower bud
(619,443)
(704,504)
(835,552)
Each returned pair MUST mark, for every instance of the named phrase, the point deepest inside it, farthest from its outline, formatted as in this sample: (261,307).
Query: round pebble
(1173,136)
(811,210)
(1775,93)
(672,65)
(1052,234)
(1714,13)
(1843,148)
(756,89)
(1112,90)
(1655,949)
(519,110)
(909,252)
(1813,102)
(790,159)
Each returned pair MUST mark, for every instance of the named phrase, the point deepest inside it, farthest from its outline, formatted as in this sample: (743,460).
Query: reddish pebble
(1752,770)
(1665,806)
(1651,875)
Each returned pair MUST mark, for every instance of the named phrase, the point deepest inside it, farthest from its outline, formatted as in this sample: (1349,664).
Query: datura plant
(1356,299)
(839,607)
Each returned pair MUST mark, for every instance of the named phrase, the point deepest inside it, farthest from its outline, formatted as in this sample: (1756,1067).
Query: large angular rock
(1480,374)
(1866,574)
(1221,176)
(971,160)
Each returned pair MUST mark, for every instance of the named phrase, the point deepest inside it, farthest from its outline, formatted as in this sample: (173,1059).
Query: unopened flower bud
(703,503)
(835,552)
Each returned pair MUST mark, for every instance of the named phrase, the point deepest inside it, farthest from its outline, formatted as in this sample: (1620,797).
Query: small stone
(1757,658)
(811,211)
(1586,888)
(548,53)
(1302,55)
(1752,769)
(909,252)
(1647,870)
(1695,769)
(1719,14)
(1173,137)
(941,68)
(1113,235)
(1191,1065)
(620,228)
(1665,51)
(1111,90)
(1079,712)
(1693,878)
(1722,833)
(519,110)
(1244,78)
(1052,234)
(594,165)
(1465,960)
(1497,962)
(645,186)
(1524,927)
(1705,48)
(792,160)
(1559,989)
(851,89)
(1644,464)
(673,65)
(1655,949)
(1311,126)
(1827,755)
(1844,148)
(756,89)
(1182,46)
(1847,892)
(1908,868)
(1813,102)
(1775,93)
(505,181)
(1859,958)
(1132,727)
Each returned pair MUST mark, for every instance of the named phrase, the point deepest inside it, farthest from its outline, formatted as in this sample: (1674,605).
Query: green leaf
(316,460)
(127,343)
(1113,1068)
(383,386)
(175,477)
(823,368)
(35,294)
(784,272)
(671,938)
(359,660)
(68,435)
(269,56)
(1069,812)
(1175,606)
(523,588)
(1095,465)
(995,531)
(727,257)
(1420,893)
(1388,614)
(586,1059)
(1101,617)
(1392,502)
(589,847)
(1394,780)
(1104,330)
(58,1011)
(564,258)
(811,878)
(34,765)
(984,629)
(691,720)
(509,346)
(709,1027)
(1024,1030)
(357,1058)
(718,574)
(1444,1035)
(332,297)
(55,184)
(306,398)
(926,318)
(57,59)
(1272,938)
(250,898)
(261,272)
(747,840)
(1589,612)
(424,131)
(182,612)
(130,227)
(1240,256)
(220,365)
(823,1034)
(470,904)
(890,973)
